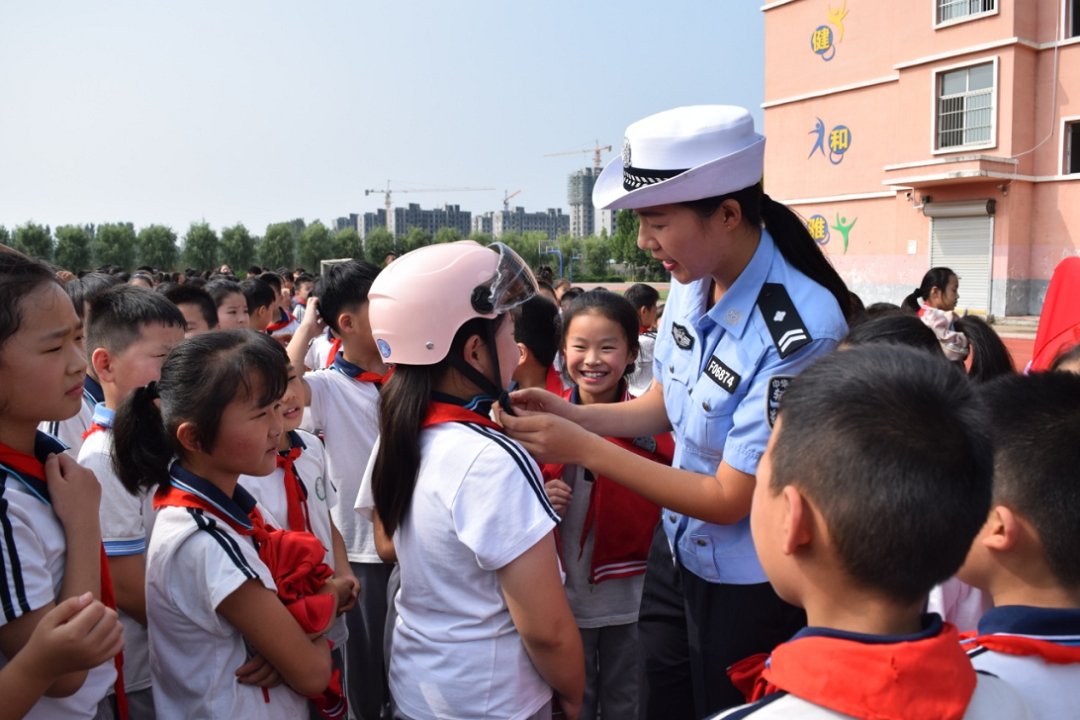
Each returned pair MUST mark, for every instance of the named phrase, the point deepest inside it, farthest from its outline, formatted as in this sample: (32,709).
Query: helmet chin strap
(482,381)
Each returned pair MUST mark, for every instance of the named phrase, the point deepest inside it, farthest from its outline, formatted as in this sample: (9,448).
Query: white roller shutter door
(965,244)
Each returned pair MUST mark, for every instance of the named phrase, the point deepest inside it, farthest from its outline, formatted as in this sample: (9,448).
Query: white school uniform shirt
(318,351)
(347,412)
(194,562)
(126,521)
(269,492)
(33,548)
(479,503)
(1051,690)
(70,432)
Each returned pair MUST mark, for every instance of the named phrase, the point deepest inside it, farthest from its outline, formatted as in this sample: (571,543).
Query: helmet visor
(512,284)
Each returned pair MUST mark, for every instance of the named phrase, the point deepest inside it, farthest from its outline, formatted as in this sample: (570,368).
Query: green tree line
(297,244)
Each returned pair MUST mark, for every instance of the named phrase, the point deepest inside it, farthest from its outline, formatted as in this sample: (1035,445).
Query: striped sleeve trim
(521,458)
(12,588)
(120,548)
(227,543)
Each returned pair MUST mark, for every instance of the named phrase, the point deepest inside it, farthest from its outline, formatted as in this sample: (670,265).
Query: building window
(956,9)
(1072,147)
(1072,18)
(965,113)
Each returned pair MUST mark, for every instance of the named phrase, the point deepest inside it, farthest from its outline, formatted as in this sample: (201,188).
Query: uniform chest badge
(682,336)
(778,385)
(722,375)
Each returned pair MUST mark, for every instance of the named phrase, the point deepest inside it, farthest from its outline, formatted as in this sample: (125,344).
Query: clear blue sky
(259,111)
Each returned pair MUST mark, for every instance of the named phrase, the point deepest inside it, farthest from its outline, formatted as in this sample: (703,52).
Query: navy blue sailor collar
(931,622)
(92,391)
(237,508)
(479,404)
(1029,620)
(735,308)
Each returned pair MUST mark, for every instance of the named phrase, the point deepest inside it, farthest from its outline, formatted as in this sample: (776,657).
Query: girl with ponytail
(934,301)
(484,629)
(221,640)
(753,302)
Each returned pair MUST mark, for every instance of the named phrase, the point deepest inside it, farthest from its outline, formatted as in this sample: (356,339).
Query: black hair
(878,309)
(1065,356)
(343,288)
(1034,424)
(989,356)
(258,294)
(935,277)
(254,270)
(145,277)
(403,404)
(536,325)
(221,288)
(188,294)
(895,330)
(20,275)
(788,232)
(272,279)
(612,306)
(641,295)
(199,379)
(568,297)
(895,455)
(83,291)
(303,278)
(116,318)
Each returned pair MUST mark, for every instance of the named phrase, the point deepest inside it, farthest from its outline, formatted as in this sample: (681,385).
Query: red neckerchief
(925,678)
(1050,651)
(357,373)
(295,560)
(553,383)
(624,522)
(94,427)
(284,322)
(642,329)
(298,517)
(443,412)
(335,348)
(33,469)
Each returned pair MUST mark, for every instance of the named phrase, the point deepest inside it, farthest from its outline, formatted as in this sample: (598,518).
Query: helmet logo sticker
(384,347)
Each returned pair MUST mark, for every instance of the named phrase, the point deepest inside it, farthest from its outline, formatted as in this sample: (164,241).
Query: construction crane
(596,151)
(507,196)
(389,203)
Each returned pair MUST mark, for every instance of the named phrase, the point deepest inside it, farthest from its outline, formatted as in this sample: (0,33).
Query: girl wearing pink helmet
(484,628)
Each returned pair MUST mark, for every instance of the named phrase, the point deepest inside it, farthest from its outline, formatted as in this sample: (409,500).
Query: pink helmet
(418,303)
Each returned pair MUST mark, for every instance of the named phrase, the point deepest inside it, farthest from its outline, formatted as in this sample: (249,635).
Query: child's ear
(101,362)
(188,436)
(1003,529)
(799,520)
(525,354)
(475,353)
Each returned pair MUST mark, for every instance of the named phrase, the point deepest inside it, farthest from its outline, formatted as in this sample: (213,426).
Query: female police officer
(753,302)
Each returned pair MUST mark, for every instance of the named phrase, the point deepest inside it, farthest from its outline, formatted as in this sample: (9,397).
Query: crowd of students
(444,489)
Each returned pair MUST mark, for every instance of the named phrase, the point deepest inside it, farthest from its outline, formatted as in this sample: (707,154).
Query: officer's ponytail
(788,232)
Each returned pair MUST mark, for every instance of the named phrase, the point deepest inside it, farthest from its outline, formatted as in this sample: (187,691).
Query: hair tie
(918,292)
(151,390)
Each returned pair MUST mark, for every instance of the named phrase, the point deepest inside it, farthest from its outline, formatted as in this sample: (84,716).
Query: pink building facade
(929,132)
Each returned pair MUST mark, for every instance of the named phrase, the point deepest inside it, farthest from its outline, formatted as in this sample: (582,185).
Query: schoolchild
(305,284)
(536,331)
(282,324)
(483,629)
(1027,555)
(50,548)
(605,530)
(934,301)
(343,403)
(262,303)
(129,333)
(989,357)
(232,308)
(753,302)
(200,313)
(70,431)
(217,627)
(299,496)
(644,299)
(874,484)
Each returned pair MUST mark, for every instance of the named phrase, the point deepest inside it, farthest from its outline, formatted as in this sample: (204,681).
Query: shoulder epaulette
(788,331)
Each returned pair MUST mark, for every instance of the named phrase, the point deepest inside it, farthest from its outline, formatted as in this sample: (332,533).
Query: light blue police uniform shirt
(721,381)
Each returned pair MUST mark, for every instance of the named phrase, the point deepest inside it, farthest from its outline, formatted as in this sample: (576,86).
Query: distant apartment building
(553,222)
(579,187)
(937,132)
(404,219)
(343,223)
(372,220)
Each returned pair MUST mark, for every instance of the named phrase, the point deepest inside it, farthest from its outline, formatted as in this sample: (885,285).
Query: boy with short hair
(261,303)
(536,332)
(875,480)
(304,285)
(644,299)
(282,324)
(129,332)
(343,400)
(1027,555)
(197,307)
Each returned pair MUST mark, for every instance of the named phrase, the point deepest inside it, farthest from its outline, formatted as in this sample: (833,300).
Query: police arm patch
(778,385)
(788,330)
